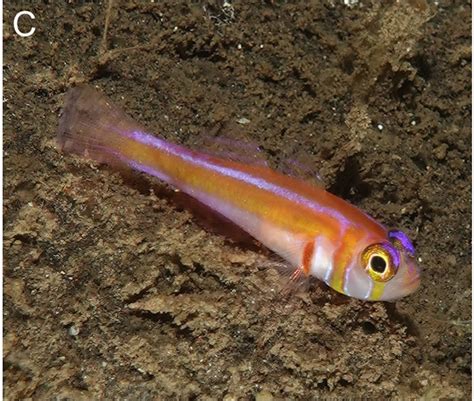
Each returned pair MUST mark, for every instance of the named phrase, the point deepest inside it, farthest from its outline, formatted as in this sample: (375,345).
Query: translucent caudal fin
(91,126)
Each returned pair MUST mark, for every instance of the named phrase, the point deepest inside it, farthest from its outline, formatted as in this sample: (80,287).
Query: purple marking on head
(393,253)
(403,239)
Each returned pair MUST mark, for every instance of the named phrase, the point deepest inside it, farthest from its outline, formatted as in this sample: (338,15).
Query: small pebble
(73,331)
(440,151)
(451,259)
(243,120)
(264,396)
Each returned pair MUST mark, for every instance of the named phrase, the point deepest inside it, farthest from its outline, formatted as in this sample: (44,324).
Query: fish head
(383,270)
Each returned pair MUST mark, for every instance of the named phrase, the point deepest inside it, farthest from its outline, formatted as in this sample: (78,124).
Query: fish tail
(91,126)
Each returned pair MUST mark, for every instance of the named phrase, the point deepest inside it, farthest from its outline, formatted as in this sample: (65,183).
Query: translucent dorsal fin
(241,149)
(302,167)
(229,141)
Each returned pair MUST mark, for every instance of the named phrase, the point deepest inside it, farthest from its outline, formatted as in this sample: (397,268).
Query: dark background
(113,289)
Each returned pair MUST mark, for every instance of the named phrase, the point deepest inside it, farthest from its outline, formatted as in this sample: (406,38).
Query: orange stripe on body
(270,207)
(307,257)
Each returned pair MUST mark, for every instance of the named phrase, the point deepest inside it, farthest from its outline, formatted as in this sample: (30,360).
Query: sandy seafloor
(115,289)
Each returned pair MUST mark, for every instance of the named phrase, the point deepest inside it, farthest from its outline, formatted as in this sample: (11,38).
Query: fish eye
(378,262)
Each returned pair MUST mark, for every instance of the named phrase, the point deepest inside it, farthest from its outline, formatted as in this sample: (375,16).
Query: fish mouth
(414,284)
(414,279)
(407,286)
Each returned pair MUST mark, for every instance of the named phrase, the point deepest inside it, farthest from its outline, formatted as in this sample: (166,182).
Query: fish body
(315,231)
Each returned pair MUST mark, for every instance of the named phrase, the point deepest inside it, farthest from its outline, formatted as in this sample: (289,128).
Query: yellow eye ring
(378,263)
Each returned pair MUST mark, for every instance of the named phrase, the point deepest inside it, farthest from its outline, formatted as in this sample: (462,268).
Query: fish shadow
(204,216)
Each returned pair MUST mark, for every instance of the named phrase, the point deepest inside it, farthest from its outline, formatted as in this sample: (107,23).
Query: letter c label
(15,24)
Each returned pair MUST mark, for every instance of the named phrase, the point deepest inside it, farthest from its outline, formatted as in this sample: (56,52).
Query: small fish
(318,233)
